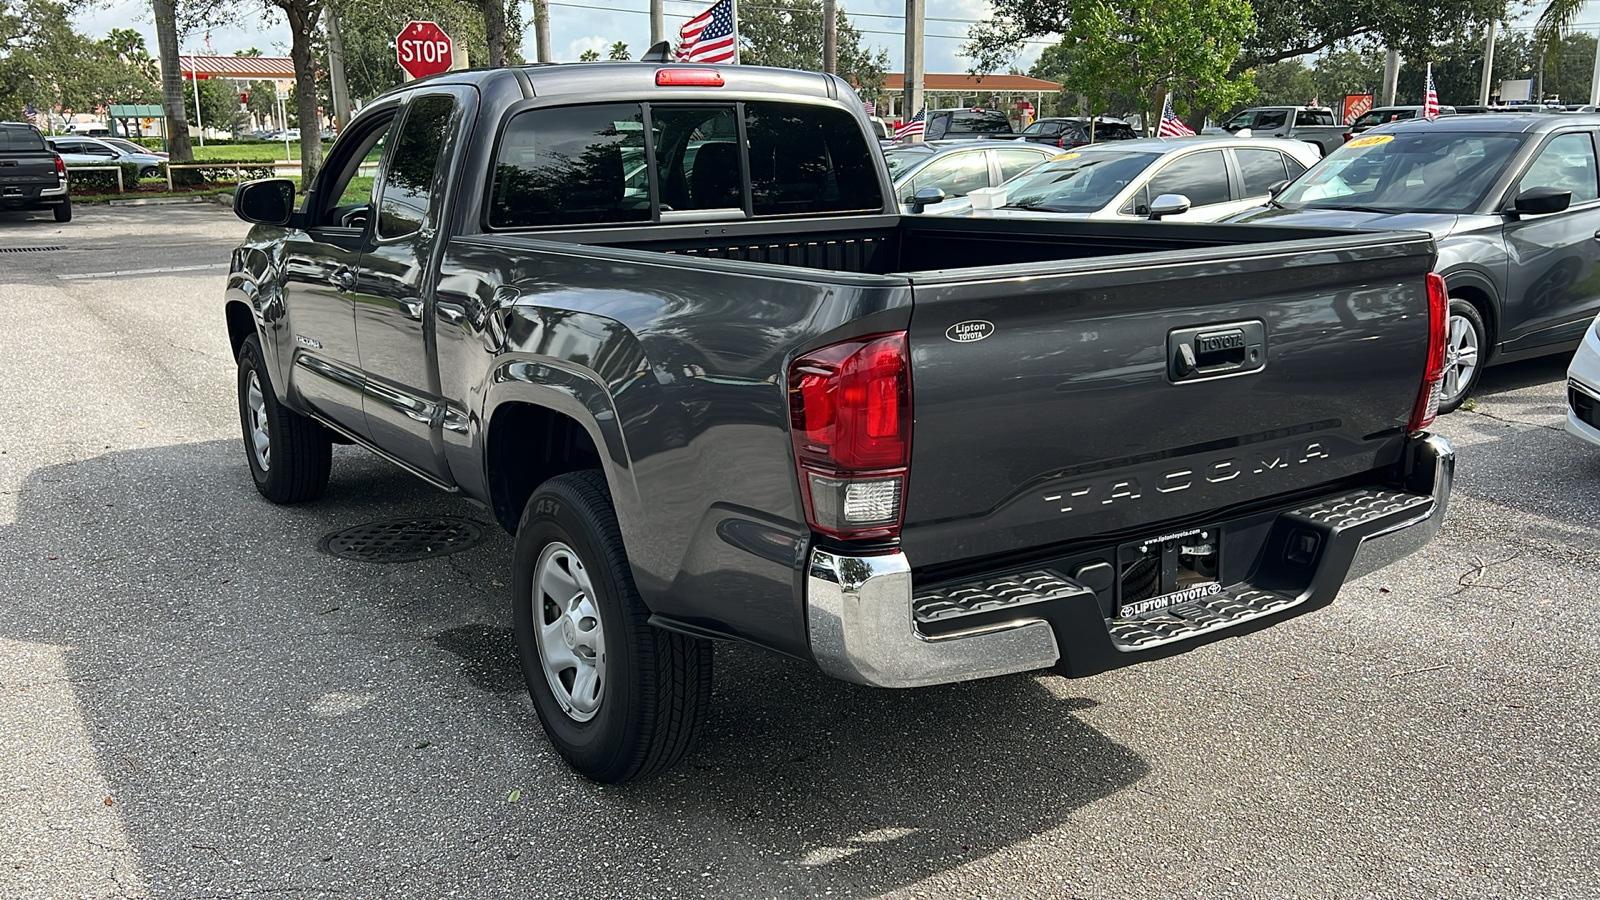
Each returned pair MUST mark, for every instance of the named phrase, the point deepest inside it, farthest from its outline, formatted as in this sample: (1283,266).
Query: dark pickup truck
(32,176)
(665,323)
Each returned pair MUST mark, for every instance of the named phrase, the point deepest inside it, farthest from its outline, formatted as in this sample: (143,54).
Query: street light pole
(199,126)
(916,11)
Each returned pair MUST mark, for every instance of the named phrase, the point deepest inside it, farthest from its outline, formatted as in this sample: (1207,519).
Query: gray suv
(1513,201)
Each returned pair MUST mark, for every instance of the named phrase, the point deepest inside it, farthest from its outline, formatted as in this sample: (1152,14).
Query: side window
(809,159)
(956,174)
(1202,177)
(1567,163)
(1269,118)
(1015,162)
(1293,167)
(697,156)
(1261,169)
(409,182)
(572,165)
(936,127)
(358,186)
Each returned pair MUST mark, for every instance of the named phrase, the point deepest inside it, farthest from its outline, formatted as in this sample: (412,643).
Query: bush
(101,182)
(212,171)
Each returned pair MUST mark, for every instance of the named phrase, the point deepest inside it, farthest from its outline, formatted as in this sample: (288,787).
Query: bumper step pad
(1196,617)
(992,593)
(1359,508)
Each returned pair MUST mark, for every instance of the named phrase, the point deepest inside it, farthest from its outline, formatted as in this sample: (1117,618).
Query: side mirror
(1242,132)
(1541,200)
(1278,188)
(1168,205)
(925,198)
(266,201)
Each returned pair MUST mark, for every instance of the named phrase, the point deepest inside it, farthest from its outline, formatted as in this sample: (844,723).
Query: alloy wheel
(1460,360)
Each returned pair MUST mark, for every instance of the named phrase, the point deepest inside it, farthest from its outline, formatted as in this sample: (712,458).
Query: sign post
(283,114)
(423,49)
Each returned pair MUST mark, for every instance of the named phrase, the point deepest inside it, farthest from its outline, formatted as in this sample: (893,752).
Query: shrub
(103,182)
(213,171)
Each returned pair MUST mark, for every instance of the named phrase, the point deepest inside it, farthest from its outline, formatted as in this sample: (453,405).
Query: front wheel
(289,454)
(618,698)
(1465,341)
(148,172)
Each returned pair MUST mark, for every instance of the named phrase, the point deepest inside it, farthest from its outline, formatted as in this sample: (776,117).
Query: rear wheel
(1465,341)
(618,698)
(148,172)
(63,211)
(289,454)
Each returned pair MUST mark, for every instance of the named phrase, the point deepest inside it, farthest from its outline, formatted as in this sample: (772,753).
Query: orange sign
(1356,106)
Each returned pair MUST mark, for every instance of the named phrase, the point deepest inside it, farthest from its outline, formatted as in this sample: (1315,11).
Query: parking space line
(157,271)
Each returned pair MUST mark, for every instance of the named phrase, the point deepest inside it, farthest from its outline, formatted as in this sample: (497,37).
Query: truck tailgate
(1055,402)
(28,170)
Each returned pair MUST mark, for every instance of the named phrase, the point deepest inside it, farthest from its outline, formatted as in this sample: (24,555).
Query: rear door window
(572,165)
(955,174)
(978,121)
(1015,162)
(1270,118)
(409,183)
(1202,177)
(1261,169)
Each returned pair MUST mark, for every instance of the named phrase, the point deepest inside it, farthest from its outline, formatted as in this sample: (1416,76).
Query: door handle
(343,278)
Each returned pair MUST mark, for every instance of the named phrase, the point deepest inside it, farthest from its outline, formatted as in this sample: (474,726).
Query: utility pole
(1594,85)
(1391,76)
(658,22)
(1539,100)
(1488,66)
(830,36)
(341,90)
(916,13)
(541,30)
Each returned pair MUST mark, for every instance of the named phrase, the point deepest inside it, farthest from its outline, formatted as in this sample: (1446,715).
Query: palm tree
(1553,24)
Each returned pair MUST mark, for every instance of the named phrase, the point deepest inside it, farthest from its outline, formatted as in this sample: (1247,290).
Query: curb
(161,201)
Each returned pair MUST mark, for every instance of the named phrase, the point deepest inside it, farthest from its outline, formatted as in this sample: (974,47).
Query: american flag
(711,37)
(1430,103)
(31,114)
(1171,125)
(913,127)
(870,107)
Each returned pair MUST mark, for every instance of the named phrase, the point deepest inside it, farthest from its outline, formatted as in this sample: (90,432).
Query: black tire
(299,452)
(1459,379)
(63,211)
(148,173)
(656,688)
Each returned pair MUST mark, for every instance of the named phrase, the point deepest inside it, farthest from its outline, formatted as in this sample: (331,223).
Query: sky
(579,25)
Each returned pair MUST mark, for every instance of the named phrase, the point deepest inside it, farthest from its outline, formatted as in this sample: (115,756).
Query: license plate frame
(1184,574)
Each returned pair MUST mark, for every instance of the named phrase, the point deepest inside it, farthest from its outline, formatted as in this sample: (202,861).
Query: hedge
(220,170)
(104,181)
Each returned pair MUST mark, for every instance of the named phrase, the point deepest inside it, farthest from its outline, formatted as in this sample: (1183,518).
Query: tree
(788,34)
(48,63)
(619,51)
(590,55)
(303,34)
(368,28)
(177,130)
(494,29)
(1287,83)
(1146,48)
(219,105)
(1053,64)
(1283,28)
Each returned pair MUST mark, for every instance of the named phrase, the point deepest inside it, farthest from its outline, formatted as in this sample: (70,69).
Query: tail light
(1348,135)
(1061,142)
(850,418)
(61,168)
(1427,406)
(688,78)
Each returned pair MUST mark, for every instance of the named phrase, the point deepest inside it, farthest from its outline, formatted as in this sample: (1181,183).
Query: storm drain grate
(403,540)
(28,249)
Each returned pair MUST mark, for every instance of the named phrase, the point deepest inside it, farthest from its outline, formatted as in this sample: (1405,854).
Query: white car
(1583,387)
(1219,176)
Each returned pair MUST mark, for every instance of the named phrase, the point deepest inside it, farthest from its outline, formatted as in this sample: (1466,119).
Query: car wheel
(1464,343)
(63,211)
(148,173)
(289,454)
(618,698)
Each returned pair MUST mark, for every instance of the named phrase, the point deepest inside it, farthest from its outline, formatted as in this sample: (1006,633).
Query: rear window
(979,121)
(587,165)
(20,138)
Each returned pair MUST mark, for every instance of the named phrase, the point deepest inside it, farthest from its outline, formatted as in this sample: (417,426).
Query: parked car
(1312,124)
(89,129)
(128,146)
(32,176)
(880,128)
(1583,387)
(966,124)
(747,400)
(1383,115)
(82,150)
(1512,200)
(1066,132)
(1218,176)
(956,167)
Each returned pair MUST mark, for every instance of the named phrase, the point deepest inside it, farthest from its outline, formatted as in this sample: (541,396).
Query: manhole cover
(28,249)
(403,540)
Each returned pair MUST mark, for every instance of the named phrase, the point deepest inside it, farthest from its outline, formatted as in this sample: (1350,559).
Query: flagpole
(734,5)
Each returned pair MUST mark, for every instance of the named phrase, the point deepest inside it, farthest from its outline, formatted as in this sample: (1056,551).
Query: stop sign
(423,49)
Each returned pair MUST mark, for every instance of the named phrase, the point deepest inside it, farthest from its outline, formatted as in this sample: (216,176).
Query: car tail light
(61,167)
(1061,142)
(688,78)
(1349,134)
(850,418)
(1427,406)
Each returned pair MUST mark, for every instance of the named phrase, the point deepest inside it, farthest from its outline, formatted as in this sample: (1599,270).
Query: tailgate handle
(1214,351)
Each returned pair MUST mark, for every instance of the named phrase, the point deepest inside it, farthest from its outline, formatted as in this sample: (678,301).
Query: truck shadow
(268,717)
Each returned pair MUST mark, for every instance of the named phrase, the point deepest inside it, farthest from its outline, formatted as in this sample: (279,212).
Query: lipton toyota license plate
(1170,570)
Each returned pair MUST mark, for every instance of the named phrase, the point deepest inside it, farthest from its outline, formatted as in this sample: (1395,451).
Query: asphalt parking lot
(198,702)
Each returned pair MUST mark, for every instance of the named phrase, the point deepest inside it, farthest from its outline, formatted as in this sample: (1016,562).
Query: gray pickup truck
(32,176)
(1315,125)
(666,324)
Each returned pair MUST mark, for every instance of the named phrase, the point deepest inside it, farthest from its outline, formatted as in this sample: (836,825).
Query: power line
(945,37)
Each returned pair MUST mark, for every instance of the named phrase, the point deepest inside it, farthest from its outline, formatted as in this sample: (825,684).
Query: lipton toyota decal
(967,332)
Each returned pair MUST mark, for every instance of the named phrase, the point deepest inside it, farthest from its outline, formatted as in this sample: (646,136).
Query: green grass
(250,152)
